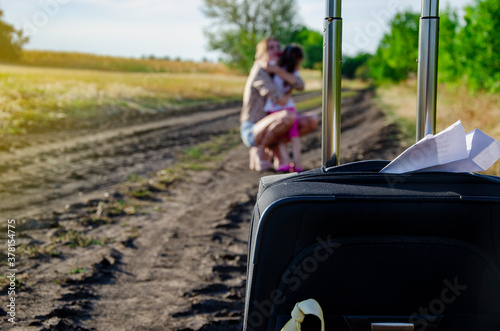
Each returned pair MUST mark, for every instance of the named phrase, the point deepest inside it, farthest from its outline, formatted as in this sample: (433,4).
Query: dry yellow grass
(479,110)
(33,97)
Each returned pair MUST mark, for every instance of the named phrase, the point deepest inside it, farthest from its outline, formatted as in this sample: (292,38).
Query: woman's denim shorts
(247,133)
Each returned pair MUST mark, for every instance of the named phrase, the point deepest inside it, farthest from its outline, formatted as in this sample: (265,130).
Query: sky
(174,28)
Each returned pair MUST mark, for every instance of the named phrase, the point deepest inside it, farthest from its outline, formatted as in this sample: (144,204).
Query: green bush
(397,52)
(351,65)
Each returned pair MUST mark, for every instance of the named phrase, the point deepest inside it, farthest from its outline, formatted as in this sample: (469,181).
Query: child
(290,60)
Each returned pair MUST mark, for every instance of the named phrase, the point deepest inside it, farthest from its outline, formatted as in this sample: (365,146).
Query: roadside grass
(476,110)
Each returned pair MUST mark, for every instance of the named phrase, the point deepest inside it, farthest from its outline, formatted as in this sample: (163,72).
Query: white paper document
(448,151)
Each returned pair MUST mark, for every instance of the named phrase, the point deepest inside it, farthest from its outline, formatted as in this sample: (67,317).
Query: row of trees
(469,51)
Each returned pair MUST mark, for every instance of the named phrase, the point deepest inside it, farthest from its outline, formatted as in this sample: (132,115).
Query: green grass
(142,193)
(32,251)
(19,280)
(134,177)
(74,239)
(203,156)
(122,207)
(77,271)
(210,150)
(36,251)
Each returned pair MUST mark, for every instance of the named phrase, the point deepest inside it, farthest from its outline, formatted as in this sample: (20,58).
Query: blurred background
(119,139)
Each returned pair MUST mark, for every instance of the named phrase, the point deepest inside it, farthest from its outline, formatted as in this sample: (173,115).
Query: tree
(240,24)
(351,65)
(468,52)
(11,41)
(479,42)
(397,52)
(449,66)
(312,43)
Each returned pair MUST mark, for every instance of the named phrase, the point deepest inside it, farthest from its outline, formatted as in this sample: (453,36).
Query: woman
(260,131)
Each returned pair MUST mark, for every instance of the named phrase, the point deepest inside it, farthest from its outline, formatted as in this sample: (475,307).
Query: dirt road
(180,263)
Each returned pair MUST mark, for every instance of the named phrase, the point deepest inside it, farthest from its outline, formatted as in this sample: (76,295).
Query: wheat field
(33,98)
(73,60)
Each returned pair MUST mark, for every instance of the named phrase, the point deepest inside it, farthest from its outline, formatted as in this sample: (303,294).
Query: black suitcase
(419,251)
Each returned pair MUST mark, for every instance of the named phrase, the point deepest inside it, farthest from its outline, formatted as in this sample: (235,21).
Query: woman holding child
(261,131)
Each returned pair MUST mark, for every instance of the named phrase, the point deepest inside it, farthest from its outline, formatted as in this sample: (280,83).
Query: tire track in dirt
(38,178)
(196,273)
(185,268)
(36,175)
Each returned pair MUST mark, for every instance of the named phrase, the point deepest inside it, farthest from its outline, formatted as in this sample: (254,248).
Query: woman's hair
(261,52)
(290,57)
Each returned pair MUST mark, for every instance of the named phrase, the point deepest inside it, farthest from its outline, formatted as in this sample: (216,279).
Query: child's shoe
(284,168)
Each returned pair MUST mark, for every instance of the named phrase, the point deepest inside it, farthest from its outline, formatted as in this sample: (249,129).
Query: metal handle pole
(427,68)
(332,66)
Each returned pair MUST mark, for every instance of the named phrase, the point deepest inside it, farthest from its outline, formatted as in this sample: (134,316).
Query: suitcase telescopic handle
(428,44)
(332,66)
(332,76)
